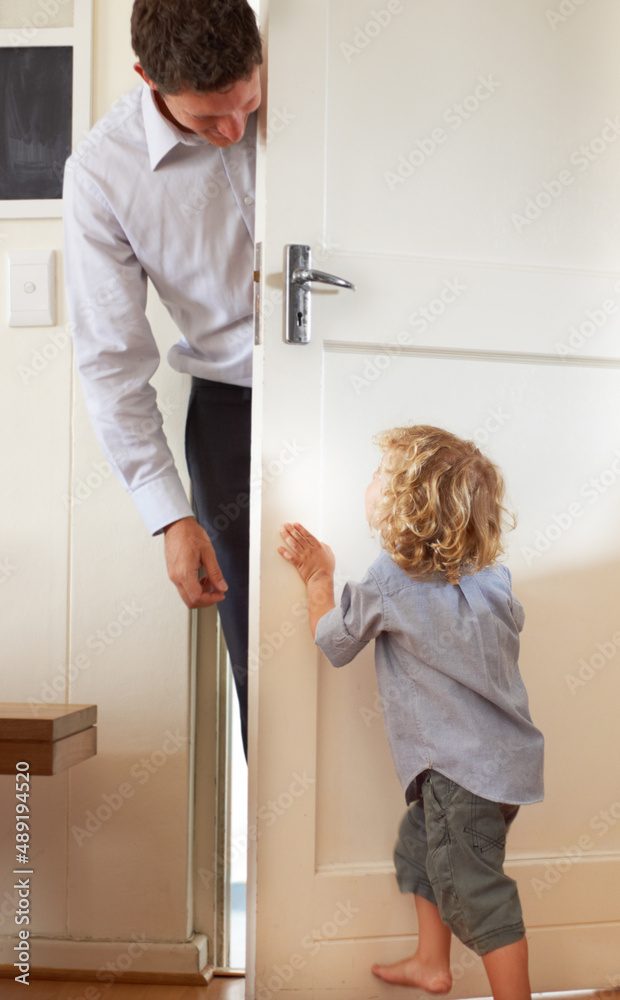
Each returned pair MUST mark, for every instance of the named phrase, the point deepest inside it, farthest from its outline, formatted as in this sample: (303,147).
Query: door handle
(299,275)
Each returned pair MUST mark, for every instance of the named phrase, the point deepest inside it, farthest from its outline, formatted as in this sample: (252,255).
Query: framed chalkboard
(35,135)
(45,111)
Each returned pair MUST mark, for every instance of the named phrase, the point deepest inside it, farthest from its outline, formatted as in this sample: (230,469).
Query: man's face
(219,117)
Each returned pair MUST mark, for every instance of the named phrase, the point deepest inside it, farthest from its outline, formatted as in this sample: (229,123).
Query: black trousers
(217,450)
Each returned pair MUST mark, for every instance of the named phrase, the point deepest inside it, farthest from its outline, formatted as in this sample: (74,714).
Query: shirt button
(248,200)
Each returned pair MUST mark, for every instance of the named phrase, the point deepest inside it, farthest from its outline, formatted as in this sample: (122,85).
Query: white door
(459,163)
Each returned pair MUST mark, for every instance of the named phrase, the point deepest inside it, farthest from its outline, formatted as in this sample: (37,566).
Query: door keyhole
(300,317)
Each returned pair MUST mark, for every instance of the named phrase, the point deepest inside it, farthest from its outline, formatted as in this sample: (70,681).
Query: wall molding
(455,354)
(107,962)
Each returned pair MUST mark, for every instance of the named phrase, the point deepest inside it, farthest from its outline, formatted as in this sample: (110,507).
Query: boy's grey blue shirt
(448,675)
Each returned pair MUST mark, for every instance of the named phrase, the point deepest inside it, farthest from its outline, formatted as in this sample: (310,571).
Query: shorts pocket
(487,827)
(436,792)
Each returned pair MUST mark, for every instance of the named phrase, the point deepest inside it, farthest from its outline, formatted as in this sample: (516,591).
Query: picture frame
(46,76)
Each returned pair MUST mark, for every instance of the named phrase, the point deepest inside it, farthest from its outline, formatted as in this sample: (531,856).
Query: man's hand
(188,554)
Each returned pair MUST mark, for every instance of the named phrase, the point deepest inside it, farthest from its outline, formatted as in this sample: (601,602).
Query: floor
(221,988)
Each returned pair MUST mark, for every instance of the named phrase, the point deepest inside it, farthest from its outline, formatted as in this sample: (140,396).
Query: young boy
(447,628)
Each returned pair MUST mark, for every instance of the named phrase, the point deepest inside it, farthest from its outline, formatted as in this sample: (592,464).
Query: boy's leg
(467,837)
(429,968)
(507,969)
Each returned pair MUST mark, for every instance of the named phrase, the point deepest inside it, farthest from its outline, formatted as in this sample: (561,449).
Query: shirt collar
(161,134)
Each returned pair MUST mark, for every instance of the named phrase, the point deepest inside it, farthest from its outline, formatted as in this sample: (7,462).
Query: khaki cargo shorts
(450,850)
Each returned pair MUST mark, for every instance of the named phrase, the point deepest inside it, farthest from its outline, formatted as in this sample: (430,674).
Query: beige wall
(109,866)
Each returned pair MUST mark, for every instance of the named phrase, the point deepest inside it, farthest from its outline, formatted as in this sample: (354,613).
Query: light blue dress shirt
(144,199)
(447,672)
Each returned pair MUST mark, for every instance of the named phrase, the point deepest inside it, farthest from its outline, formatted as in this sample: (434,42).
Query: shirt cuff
(333,639)
(162,501)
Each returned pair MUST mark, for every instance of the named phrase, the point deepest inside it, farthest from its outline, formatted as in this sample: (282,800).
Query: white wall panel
(131,628)
(35,406)
(88,615)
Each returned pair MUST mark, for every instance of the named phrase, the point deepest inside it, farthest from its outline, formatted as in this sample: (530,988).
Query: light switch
(32,288)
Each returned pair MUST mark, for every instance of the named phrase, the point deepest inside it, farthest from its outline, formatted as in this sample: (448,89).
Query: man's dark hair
(201,45)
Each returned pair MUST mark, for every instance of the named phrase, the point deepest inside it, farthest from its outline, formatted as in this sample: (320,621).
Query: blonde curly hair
(441,506)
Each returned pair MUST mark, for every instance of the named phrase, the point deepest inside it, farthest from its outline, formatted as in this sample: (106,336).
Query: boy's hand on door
(310,557)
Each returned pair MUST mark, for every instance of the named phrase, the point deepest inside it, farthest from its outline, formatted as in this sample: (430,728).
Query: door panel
(489,104)
(470,315)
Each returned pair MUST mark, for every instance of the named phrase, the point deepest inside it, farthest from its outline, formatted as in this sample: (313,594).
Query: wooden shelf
(49,738)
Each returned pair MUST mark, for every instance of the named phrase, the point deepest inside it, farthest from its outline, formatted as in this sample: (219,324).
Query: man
(163,187)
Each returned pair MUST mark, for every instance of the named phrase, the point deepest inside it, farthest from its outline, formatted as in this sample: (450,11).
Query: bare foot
(412,972)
